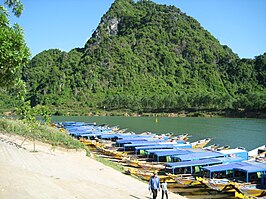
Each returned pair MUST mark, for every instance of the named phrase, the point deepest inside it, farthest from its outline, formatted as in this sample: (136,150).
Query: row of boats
(176,160)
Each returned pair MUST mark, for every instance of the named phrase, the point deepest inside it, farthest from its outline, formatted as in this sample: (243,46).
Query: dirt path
(50,174)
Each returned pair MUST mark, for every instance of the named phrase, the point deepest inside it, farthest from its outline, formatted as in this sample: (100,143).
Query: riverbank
(230,113)
(60,173)
(185,113)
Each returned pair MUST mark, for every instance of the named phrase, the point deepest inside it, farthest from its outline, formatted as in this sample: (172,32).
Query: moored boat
(200,143)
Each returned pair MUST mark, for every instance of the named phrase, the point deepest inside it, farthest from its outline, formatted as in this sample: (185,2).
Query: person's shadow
(138,197)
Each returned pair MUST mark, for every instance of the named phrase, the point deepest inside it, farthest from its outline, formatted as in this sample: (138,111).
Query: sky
(67,24)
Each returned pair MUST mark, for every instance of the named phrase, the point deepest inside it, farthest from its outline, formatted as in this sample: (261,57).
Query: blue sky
(67,24)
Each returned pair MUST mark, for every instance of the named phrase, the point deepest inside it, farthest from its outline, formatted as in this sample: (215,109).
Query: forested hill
(147,57)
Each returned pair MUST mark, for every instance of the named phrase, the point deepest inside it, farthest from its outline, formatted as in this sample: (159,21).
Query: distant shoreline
(204,114)
(126,113)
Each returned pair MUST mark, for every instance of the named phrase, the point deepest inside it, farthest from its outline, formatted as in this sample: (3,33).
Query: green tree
(14,53)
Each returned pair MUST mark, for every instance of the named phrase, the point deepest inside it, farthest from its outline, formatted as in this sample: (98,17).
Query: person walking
(154,185)
(164,189)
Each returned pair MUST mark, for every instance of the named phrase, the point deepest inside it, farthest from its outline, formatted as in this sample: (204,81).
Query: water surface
(236,132)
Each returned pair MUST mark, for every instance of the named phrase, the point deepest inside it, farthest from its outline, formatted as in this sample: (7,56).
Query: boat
(223,185)
(250,191)
(146,175)
(225,147)
(211,147)
(200,143)
(255,152)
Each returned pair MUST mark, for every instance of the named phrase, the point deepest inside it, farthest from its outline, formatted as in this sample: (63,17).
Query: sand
(60,173)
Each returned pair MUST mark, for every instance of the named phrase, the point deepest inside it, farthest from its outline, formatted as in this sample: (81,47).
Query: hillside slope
(147,57)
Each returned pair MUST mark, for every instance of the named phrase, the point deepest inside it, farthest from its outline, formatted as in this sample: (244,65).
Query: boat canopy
(150,147)
(131,138)
(224,167)
(231,159)
(197,156)
(145,143)
(208,161)
(236,152)
(110,136)
(167,153)
(170,152)
(191,166)
(252,167)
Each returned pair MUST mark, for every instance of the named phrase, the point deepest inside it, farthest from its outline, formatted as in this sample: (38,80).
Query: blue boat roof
(131,138)
(231,159)
(208,161)
(225,167)
(90,134)
(145,142)
(160,146)
(253,167)
(109,136)
(161,153)
(199,155)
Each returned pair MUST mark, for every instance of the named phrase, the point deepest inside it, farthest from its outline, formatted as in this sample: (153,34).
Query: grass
(43,133)
(109,163)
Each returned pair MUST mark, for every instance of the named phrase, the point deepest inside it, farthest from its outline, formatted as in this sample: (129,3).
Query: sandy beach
(60,173)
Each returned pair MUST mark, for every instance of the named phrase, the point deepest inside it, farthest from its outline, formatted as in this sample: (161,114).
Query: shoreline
(185,113)
(60,173)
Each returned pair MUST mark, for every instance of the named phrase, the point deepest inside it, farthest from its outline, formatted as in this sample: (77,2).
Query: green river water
(235,132)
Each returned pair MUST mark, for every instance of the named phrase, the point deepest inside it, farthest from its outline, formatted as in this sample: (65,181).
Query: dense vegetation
(43,133)
(145,57)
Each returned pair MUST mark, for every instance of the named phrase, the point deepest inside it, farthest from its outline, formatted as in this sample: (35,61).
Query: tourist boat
(165,155)
(223,185)
(186,171)
(257,151)
(225,147)
(113,153)
(184,180)
(146,175)
(200,143)
(142,150)
(222,170)
(211,147)
(249,191)
(184,137)
(242,177)
(132,162)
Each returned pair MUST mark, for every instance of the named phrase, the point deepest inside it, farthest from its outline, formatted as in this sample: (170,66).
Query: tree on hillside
(14,53)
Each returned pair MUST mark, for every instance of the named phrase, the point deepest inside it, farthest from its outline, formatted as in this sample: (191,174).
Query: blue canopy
(225,167)
(144,143)
(171,152)
(253,167)
(191,166)
(231,159)
(152,147)
(109,136)
(193,163)
(198,156)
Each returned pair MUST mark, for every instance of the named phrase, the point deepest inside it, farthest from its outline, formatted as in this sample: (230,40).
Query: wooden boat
(186,180)
(212,147)
(255,152)
(200,143)
(225,147)
(184,137)
(146,175)
(132,162)
(249,191)
(115,154)
(224,184)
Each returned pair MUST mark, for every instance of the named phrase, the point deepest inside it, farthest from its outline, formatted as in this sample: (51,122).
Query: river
(235,132)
